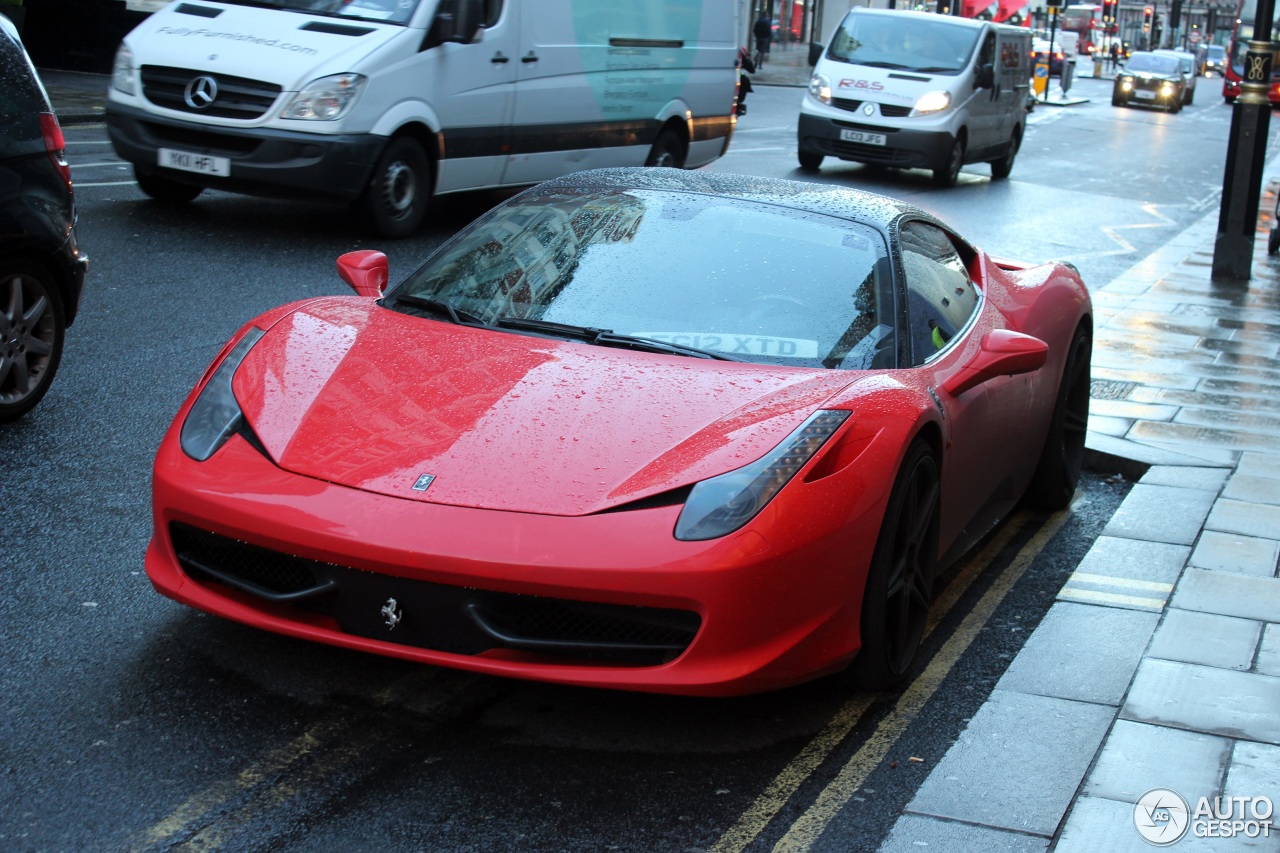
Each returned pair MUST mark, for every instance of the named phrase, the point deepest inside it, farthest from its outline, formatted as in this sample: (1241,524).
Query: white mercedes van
(386,103)
(917,90)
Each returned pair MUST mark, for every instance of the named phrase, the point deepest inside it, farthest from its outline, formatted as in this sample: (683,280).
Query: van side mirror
(815,52)
(459,20)
(985,76)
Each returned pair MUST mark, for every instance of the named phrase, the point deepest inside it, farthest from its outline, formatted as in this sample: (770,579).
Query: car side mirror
(366,271)
(985,76)
(815,52)
(1002,353)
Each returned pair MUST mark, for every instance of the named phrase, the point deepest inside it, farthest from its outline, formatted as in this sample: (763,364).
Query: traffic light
(1147,12)
(1109,11)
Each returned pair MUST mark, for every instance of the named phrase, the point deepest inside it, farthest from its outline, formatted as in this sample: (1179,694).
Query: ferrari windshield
(904,42)
(753,281)
(390,11)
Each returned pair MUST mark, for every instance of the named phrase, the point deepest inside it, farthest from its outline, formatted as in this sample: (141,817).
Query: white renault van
(917,90)
(386,103)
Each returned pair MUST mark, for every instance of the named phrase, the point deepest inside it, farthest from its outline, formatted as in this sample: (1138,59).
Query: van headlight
(820,88)
(932,102)
(122,71)
(326,99)
(722,504)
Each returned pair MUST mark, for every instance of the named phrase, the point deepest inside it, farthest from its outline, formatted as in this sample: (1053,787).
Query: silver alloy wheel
(399,189)
(28,337)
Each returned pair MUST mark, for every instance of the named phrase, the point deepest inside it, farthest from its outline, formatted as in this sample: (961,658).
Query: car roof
(879,211)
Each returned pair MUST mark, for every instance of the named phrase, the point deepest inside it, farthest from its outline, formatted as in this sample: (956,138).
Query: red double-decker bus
(1014,12)
(1086,22)
(1233,74)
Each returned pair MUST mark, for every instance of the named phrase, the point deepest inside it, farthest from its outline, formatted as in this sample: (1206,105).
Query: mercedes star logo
(200,92)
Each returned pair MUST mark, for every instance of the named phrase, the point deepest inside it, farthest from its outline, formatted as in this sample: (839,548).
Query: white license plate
(863,137)
(1144,95)
(188,161)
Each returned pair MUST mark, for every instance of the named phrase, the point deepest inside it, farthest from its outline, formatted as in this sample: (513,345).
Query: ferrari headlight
(723,504)
(326,99)
(932,102)
(215,416)
(820,88)
(122,71)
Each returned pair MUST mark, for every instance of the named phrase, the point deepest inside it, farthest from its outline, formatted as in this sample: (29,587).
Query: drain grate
(1109,389)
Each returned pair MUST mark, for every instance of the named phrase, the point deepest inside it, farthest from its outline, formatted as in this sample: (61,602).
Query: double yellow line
(805,831)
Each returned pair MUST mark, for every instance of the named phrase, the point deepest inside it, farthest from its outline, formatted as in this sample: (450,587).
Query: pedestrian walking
(763,31)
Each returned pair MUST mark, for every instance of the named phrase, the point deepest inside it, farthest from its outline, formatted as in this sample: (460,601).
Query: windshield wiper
(933,69)
(441,308)
(881,64)
(607,338)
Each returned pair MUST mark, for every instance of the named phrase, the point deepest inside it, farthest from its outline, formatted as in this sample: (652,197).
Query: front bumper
(769,607)
(907,149)
(263,161)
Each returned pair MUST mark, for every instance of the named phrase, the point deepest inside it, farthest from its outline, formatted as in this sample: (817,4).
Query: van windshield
(389,11)
(904,42)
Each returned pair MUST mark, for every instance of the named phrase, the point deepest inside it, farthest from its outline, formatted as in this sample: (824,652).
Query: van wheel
(395,202)
(947,174)
(810,161)
(1001,168)
(164,189)
(668,150)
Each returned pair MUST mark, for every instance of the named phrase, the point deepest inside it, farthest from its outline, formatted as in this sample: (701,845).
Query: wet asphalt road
(130,722)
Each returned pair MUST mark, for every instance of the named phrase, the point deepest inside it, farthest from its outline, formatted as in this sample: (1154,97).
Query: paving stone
(1129,373)
(1109,426)
(1231,552)
(919,834)
(1132,411)
(1206,638)
(1204,398)
(1201,440)
(1259,490)
(1081,652)
(1197,449)
(1134,559)
(1209,479)
(1230,594)
(1269,654)
(1255,771)
(1137,757)
(1017,764)
(1261,464)
(1161,514)
(1145,453)
(1098,824)
(1205,699)
(1251,519)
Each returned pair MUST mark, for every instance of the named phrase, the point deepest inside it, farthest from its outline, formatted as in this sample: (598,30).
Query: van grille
(237,97)
(886,110)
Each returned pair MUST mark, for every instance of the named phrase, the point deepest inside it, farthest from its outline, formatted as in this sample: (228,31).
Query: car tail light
(55,145)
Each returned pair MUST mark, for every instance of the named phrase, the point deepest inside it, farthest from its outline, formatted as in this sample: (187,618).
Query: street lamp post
(1242,181)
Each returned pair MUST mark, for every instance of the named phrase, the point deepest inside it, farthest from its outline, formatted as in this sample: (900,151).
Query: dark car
(1153,79)
(42,269)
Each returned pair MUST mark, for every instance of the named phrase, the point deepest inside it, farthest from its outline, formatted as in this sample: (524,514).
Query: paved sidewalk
(1159,665)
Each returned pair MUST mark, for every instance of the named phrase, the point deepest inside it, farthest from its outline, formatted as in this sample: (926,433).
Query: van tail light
(55,145)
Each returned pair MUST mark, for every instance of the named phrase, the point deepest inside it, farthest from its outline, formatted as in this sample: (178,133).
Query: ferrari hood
(345,391)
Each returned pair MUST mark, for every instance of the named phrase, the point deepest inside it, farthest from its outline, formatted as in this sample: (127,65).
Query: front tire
(1001,168)
(1058,471)
(165,189)
(899,591)
(667,150)
(32,330)
(810,161)
(948,173)
(399,193)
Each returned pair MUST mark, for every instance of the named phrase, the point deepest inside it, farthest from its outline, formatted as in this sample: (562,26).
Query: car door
(946,317)
(984,106)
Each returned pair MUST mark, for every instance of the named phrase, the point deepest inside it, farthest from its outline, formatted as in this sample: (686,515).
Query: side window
(988,55)
(492,12)
(940,295)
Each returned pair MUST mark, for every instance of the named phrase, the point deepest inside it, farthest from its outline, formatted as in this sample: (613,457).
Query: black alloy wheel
(1058,471)
(32,330)
(899,591)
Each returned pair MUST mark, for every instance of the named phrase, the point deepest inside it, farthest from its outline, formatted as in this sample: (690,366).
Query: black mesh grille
(237,97)
(438,616)
(258,566)
(846,103)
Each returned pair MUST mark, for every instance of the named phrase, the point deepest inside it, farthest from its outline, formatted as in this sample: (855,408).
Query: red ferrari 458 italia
(648,429)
